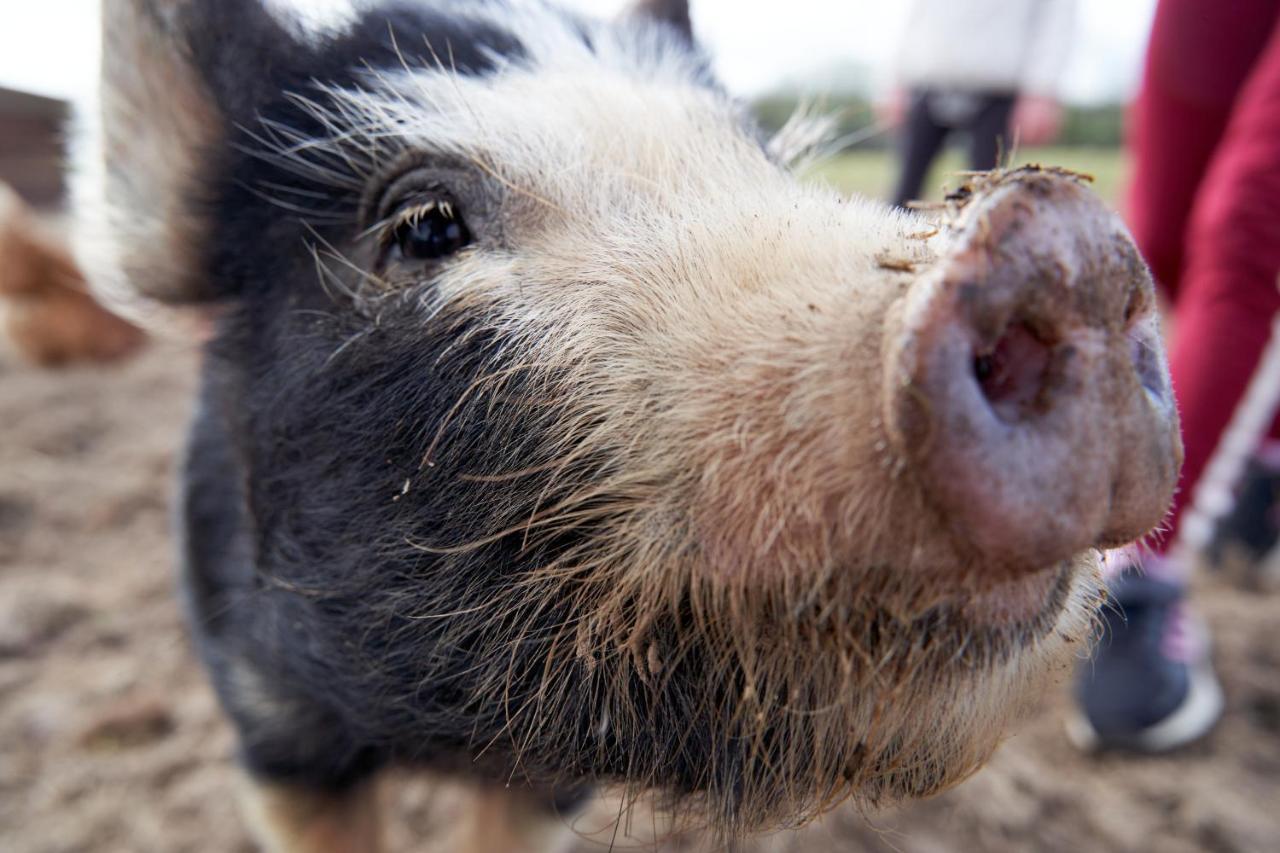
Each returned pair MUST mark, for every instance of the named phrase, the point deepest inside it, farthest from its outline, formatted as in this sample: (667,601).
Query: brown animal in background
(48,311)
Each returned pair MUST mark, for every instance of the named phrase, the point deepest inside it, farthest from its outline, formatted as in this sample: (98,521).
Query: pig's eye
(427,231)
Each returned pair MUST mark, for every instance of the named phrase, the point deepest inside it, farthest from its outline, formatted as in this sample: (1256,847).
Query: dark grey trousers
(933,115)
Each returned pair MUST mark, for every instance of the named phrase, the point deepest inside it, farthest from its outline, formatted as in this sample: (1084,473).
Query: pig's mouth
(1002,618)
(1027,606)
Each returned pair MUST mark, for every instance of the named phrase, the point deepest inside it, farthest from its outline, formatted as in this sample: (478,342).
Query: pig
(48,313)
(555,436)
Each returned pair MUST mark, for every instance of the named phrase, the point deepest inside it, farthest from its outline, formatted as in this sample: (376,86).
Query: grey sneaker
(1149,686)
(1246,541)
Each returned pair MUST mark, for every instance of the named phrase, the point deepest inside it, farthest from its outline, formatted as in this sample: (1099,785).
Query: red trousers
(1205,202)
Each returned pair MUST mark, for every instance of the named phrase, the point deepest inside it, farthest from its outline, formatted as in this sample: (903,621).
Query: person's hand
(1037,120)
(891,110)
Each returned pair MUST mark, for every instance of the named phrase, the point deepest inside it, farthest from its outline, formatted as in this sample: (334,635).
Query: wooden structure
(32,154)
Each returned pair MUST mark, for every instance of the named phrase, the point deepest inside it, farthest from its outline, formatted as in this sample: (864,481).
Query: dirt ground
(110,741)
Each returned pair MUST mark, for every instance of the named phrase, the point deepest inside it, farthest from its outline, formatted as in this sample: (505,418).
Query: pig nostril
(984,367)
(1012,373)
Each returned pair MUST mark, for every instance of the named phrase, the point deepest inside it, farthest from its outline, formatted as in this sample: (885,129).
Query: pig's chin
(773,704)
(1013,640)
(1029,632)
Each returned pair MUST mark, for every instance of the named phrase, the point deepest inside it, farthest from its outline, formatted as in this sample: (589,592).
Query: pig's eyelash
(410,215)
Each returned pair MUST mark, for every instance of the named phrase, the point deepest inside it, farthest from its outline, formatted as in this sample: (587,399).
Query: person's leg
(1239,538)
(921,139)
(1150,685)
(989,132)
(1223,315)
(1198,58)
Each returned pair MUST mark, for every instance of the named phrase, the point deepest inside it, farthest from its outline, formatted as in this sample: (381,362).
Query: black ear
(674,13)
(176,75)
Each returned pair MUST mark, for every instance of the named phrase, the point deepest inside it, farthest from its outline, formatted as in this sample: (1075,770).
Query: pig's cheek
(779,513)
(741,543)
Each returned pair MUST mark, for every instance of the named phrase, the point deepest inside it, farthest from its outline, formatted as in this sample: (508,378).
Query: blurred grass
(873,173)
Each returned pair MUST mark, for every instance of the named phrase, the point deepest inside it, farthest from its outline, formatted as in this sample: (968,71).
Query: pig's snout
(1026,380)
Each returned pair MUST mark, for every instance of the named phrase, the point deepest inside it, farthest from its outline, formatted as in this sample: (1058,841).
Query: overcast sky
(50,46)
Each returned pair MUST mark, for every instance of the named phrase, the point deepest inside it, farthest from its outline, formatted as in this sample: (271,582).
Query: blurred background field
(870,171)
(866,161)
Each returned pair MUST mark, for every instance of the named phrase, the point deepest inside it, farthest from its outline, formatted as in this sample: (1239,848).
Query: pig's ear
(176,76)
(674,13)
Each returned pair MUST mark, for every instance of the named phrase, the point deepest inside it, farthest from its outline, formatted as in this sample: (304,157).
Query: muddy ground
(110,741)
